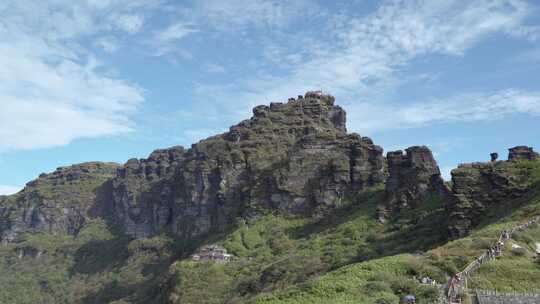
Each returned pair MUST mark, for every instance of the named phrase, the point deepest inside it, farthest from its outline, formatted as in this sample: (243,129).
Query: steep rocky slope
(59,202)
(480,188)
(293,157)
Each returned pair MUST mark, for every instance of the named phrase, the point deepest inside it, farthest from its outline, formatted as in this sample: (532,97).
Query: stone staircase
(456,284)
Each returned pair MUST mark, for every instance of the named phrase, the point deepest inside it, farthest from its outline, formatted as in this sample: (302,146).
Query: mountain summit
(292,157)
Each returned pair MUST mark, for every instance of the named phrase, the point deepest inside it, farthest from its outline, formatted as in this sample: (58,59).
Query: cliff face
(59,202)
(413,177)
(479,187)
(294,157)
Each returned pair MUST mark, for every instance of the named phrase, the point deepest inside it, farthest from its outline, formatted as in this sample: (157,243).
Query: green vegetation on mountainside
(517,269)
(274,253)
(514,271)
(97,266)
(383,280)
(346,256)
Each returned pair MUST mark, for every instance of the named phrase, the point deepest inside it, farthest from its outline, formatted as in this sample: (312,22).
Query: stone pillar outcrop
(413,176)
(522,153)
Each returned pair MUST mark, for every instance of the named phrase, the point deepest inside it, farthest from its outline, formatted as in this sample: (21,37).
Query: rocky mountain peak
(293,157)
(313,112)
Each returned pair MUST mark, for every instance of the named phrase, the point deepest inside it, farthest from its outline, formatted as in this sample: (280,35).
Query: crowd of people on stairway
(455,284)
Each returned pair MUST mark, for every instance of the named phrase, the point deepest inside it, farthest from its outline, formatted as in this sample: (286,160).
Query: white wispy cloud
(366,54)
(175,32)
(53,89)
(230,18)
(369,117)
(166,40)
(128,23)
(51,79)
(238,14)
(8,190)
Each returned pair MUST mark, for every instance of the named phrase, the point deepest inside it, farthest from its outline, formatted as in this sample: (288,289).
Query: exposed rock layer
(293,157)
(413,177)
(59,202)
(479,187)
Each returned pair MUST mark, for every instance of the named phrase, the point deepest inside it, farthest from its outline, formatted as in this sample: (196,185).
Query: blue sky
(114,79)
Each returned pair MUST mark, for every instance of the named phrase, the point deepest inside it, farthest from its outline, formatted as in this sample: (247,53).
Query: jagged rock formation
(293,157)
(290,158)
(413,176)
(522,153)
(477,187)
(59,202)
